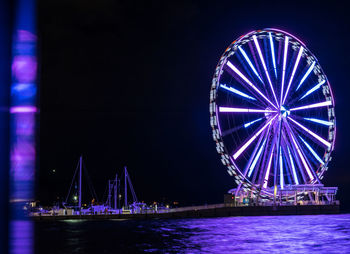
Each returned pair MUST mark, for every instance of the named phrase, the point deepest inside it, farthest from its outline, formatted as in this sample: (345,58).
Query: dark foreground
(263,234)
(219,210)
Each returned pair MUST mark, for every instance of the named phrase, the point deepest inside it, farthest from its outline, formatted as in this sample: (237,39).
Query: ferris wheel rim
(226,157)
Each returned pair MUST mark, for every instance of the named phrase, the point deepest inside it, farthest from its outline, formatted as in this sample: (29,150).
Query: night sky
(127,83)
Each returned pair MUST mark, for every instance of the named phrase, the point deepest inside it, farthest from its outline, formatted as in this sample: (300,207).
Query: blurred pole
(5,81)
(23,114)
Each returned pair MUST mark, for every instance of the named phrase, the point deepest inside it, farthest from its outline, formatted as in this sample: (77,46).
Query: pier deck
(207,211)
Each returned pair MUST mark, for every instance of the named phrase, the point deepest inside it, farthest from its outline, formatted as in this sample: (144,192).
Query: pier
(206,211)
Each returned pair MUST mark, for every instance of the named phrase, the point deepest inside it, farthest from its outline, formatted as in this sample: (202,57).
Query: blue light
(233,90)
(313,89)
(250,63)
(250,123)
(256,159)
(293,167)
(273,54)
(312,151)
(319,121)
(306,74)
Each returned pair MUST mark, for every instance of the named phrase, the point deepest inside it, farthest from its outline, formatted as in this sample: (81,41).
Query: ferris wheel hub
(285,112)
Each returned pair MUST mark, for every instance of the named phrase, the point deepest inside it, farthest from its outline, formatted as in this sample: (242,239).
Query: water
(266,234)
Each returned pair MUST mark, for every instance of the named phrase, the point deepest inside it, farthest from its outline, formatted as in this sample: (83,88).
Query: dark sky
(127,83)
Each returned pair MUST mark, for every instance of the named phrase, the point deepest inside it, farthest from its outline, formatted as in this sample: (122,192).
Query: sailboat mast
(126,187)
(80,179)
(109,194)
(116,191)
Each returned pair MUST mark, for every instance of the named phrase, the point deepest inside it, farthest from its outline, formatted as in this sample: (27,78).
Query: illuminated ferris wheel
(272,112)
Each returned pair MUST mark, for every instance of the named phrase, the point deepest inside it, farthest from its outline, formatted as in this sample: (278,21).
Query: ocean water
(265,234)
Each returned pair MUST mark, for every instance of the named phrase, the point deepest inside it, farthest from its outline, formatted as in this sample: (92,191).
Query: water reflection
(276,234)
(21,237)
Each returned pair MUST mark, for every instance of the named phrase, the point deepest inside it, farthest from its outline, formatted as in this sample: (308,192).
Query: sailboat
(73,203)
(114,188)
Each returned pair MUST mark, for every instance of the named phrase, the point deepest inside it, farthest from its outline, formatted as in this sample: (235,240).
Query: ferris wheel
(272,112)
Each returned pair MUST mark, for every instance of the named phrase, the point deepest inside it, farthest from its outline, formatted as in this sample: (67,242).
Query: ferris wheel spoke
(257,133)
(256,154)
(296,181)
(267,173)
(252,159)
(311,133)
(284,65)
(306,74)
(240,74)
(244,110)
(312,151)
(235,91)
(273,54)
(316,87)
(246,125)
(269,155)
(294,154)
(250,63)
(290,163)
(293,73)
(231,130)
(285,165)
(316,105)
(281,169)
(301,156)
(319,121)
(265,68)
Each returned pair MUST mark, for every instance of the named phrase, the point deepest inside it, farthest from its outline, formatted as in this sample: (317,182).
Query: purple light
(313,89)
(293,72)
(246,110)
(264,65)
(281,31)
(268,169)
(273,54)
(241,150)
(22,237)
(281,171)
(326,143)
(24,68)
(284,64)
(250,63)
(229,64)
(293,167)
(316,105)
(306,74)
(23,109)
(302,159)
